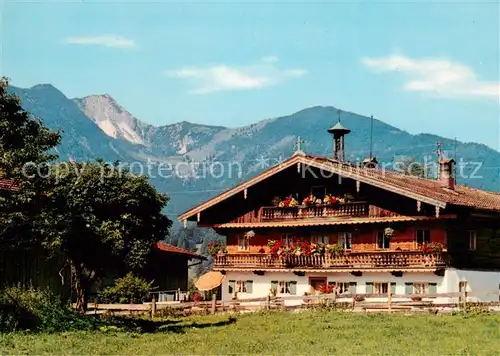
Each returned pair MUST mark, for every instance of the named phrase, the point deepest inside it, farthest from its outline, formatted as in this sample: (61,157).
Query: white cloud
(439,76)
(222,77)
(103,40)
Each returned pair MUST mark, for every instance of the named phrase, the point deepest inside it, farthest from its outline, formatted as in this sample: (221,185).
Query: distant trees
(410,166)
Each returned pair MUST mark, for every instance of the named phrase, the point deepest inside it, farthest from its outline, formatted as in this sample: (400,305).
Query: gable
(304,164)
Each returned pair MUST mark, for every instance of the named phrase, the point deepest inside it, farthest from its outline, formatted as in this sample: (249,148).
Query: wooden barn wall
(34,268)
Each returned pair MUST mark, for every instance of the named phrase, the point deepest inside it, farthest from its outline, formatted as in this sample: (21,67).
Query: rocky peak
(112,118)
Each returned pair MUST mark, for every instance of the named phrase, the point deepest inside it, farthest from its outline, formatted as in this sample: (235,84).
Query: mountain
(97,126)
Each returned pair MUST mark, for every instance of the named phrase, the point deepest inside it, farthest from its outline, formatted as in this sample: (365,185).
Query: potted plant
(348,198)
(309,200)
(389,232)
(335,250)
(330,200)
(416,298)
(216,249)
(358,298)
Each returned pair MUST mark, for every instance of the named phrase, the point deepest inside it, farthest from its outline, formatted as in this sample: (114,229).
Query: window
(284,287)
(319,239)
(380,288)
(242,243)
(420,288)
(472,240)
(240,286)
(288,239)
(423,236)
(382,240)
(344,287)
(345,239)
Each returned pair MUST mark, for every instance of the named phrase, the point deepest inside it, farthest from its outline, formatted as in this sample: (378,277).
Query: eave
(330,222)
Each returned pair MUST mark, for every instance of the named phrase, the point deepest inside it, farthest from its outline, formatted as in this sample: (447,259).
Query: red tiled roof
(7,184)
(460,195)
(426,190)
(172,249)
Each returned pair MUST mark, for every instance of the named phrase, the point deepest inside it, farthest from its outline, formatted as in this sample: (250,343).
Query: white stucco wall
(478,282)
(481,285)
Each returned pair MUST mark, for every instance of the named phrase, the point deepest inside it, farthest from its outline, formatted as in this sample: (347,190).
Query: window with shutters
(243,243)
(240,286)
(472,240)
(345,239)
(382,288)
(383,242)
(425,289)
(420,288)
(422,236)
(341,287)
(284,287)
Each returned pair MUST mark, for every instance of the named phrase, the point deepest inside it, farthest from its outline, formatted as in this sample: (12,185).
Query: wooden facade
(418,210)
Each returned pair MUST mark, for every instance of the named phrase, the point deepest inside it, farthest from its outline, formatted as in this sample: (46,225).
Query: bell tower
(338,132)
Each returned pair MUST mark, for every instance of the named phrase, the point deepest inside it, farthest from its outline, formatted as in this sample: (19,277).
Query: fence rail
(355,302)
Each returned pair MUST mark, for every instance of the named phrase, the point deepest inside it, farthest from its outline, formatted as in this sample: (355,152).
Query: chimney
(370,162)
(446,173)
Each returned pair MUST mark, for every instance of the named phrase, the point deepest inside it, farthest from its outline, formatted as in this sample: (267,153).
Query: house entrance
(317,282)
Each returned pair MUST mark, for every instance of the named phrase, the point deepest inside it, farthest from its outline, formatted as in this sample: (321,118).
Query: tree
(101,218)
(410,166)
(24,157)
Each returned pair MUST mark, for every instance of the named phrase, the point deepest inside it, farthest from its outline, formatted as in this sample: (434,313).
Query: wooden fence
(358,302)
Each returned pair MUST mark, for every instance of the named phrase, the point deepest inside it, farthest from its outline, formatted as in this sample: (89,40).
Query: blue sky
(420,66)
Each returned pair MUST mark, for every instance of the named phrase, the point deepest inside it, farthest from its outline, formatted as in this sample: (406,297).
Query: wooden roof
(425,190)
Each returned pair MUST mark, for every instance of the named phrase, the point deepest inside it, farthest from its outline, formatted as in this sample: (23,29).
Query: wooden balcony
(315,211)
(347,261)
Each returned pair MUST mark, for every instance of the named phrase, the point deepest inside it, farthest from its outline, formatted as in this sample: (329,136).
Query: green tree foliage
(101,218)
(24,157)
(129,289)
(410,166)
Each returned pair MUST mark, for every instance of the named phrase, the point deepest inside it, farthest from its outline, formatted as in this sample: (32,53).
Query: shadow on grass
(152,326)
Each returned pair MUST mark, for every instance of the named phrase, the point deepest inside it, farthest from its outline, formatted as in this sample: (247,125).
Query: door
(316,283)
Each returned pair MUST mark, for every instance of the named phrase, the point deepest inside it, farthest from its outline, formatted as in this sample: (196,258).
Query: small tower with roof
(338,132)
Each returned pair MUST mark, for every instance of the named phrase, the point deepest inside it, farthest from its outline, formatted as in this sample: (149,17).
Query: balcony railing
(315,211)
(349,260)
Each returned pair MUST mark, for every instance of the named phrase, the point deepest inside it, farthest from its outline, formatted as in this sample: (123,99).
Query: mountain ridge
(81,120)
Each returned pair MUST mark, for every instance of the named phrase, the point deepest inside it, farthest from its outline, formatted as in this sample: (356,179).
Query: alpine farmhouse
(319,223)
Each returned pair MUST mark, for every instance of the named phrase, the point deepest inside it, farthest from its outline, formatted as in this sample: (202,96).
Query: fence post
(153,306)
(389,300)
(465,298)
(268,302)
(214,303)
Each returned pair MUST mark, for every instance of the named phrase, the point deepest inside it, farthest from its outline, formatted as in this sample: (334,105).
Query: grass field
(278,333)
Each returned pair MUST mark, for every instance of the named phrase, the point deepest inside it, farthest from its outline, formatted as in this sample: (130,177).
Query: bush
(126,290)
(38,310)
